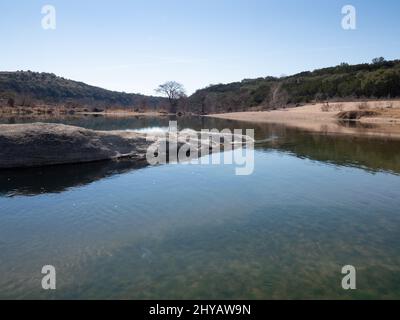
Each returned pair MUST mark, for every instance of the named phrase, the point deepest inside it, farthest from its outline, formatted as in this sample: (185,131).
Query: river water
(314,204)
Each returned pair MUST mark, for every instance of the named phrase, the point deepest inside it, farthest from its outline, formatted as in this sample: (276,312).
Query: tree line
(376,80)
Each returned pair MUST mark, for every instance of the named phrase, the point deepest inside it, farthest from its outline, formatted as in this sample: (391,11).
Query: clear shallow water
(314,204)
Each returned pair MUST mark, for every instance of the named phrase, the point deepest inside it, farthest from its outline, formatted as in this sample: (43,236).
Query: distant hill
(28,88)
(377,80)
(380,79)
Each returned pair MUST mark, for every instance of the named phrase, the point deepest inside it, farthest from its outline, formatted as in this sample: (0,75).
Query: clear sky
(134,45)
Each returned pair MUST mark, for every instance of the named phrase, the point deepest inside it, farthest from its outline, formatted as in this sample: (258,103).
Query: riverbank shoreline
(383,119)
(55,112)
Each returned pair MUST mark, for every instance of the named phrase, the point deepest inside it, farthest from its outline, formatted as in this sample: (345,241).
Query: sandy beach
(384,120)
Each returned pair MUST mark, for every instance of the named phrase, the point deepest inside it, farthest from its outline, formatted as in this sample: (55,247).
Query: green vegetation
(377,80)
(380,79)
(26,88)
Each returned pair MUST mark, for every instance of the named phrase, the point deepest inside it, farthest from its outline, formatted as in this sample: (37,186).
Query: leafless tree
(174,91)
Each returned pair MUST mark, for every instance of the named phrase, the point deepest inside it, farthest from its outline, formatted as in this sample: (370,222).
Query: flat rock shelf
(41,144)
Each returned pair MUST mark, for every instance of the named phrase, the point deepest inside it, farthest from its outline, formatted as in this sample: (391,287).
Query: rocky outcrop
(40,144)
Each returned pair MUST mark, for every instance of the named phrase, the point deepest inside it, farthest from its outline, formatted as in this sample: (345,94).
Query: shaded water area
(314,204)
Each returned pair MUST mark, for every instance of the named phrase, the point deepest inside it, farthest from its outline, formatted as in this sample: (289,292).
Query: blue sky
(134,45)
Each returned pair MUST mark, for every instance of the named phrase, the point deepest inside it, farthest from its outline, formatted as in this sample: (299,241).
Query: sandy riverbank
(384,121)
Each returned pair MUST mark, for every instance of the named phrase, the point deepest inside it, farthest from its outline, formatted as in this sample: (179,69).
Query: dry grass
(363,106)
(331,107)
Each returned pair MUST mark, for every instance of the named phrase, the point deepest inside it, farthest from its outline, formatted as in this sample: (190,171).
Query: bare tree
(174,91)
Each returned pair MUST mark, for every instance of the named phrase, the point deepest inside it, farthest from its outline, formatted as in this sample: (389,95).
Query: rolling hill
(377,80)
(26,88)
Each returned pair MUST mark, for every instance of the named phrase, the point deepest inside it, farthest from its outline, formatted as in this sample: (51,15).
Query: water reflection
(369,153)
(56,179)
(372,154)
(96,122)
(200,232)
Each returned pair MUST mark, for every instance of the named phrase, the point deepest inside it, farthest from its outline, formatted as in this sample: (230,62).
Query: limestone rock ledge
(41,144)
